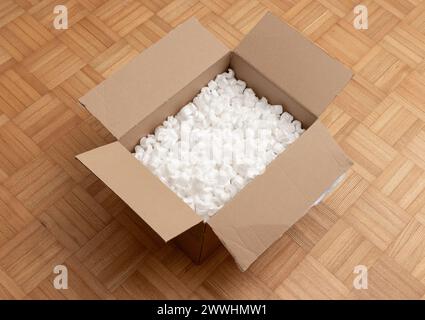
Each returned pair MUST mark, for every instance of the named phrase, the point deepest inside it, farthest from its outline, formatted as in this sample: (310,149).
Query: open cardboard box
(278,63)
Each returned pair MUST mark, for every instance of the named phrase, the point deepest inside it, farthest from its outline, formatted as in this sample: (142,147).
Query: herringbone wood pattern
(54,211)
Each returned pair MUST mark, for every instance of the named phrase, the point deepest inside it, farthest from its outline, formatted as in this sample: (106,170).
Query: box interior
(243,71)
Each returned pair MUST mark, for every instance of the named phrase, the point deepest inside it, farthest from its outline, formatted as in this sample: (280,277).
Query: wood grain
(54,211)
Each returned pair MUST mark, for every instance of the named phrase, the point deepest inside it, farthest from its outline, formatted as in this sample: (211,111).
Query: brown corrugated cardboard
(153,77)
(263,86)
(198,242)
(262,211)
(278,63)
(173,105)
(300,68)
(152,200)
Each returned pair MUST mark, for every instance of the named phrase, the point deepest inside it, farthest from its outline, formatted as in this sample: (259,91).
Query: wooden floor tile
(371,153)
(358,99)
(9,289)
(387,280)
(193,275)
(391,120)
(397,7)
(148,33)
(225,32)
(342,42)
(123,16)
(408,250)
(382,69)
(78,140)
(16,93)
(75,87)
(228,282)
(311,280)
(23,36)
(409,91)
(30,256)
(377,218)
(402,181)
(347,193)
(278,262)
(13,216)
(53,64)
(112,255)
(313,226)
(416,18)
(339,7)
(75,219)
(113,58)
(16,148)
(46,120)
(9,10)
(89,37)
(39,184)
(342,249)
(337,121)
(415,149)
(311,18)
(153,281)
(406,43)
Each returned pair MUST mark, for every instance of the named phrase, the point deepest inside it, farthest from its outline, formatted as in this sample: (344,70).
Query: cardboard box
(278,63)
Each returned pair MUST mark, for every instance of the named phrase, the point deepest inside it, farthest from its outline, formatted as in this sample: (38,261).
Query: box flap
(152,200)
(262,211)
(294,63)
(154,76)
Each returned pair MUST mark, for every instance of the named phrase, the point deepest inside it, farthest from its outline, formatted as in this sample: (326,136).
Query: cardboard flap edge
(153,76)
(152,200)
(266,219)
(295,57)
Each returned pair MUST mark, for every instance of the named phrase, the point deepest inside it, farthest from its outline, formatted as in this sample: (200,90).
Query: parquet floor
(54,211)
